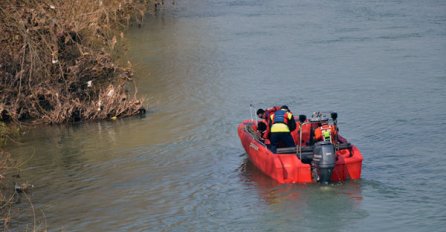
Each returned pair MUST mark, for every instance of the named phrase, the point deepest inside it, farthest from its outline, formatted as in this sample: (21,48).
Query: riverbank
(58,60)
(63,62)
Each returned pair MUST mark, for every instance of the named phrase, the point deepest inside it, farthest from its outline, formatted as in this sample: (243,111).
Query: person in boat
(281,124)
(263,123)
(266,113)
(325,132)
(270,110)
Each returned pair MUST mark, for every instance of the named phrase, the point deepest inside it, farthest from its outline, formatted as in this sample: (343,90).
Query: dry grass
(12,193)
(7,193)
(56,64)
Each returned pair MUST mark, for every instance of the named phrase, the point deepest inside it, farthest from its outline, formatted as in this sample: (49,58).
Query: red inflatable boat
(310,161)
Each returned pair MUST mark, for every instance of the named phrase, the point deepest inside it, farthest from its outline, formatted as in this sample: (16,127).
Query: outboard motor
(324,160)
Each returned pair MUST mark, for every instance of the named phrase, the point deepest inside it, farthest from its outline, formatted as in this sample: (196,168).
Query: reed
(56,62)
(57,65)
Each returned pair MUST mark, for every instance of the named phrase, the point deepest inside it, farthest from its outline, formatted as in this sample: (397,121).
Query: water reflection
(251,175)
(202,64)
(268,189)
(333,206)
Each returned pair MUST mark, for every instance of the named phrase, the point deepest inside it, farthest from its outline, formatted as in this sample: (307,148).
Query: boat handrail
(250,131)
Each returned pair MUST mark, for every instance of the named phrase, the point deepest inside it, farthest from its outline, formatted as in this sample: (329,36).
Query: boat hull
(288,168)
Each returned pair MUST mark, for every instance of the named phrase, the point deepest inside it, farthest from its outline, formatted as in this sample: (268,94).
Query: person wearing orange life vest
(281,124)
(262,124)
(325,132)
(270,110)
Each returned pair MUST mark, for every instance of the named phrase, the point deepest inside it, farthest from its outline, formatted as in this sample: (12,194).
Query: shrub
(56,64)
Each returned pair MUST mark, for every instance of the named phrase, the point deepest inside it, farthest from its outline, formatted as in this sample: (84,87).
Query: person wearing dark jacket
(262,124)
(281,124)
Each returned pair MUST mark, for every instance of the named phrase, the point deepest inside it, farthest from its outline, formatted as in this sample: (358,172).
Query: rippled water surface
(380,64)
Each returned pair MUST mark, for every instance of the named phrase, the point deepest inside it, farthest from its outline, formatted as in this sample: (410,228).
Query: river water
(380,64)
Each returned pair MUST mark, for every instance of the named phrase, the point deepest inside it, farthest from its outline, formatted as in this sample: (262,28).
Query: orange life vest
(325,133)
(265,133)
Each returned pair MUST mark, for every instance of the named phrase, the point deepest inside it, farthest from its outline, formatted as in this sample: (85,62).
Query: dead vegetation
(56,64)
(7,193)
(12,192)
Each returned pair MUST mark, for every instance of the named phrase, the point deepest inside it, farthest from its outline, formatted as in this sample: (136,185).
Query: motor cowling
(324,160)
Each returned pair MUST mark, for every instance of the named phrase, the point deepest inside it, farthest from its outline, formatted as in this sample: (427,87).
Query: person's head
(260,113)
(285,107)
(324,121)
